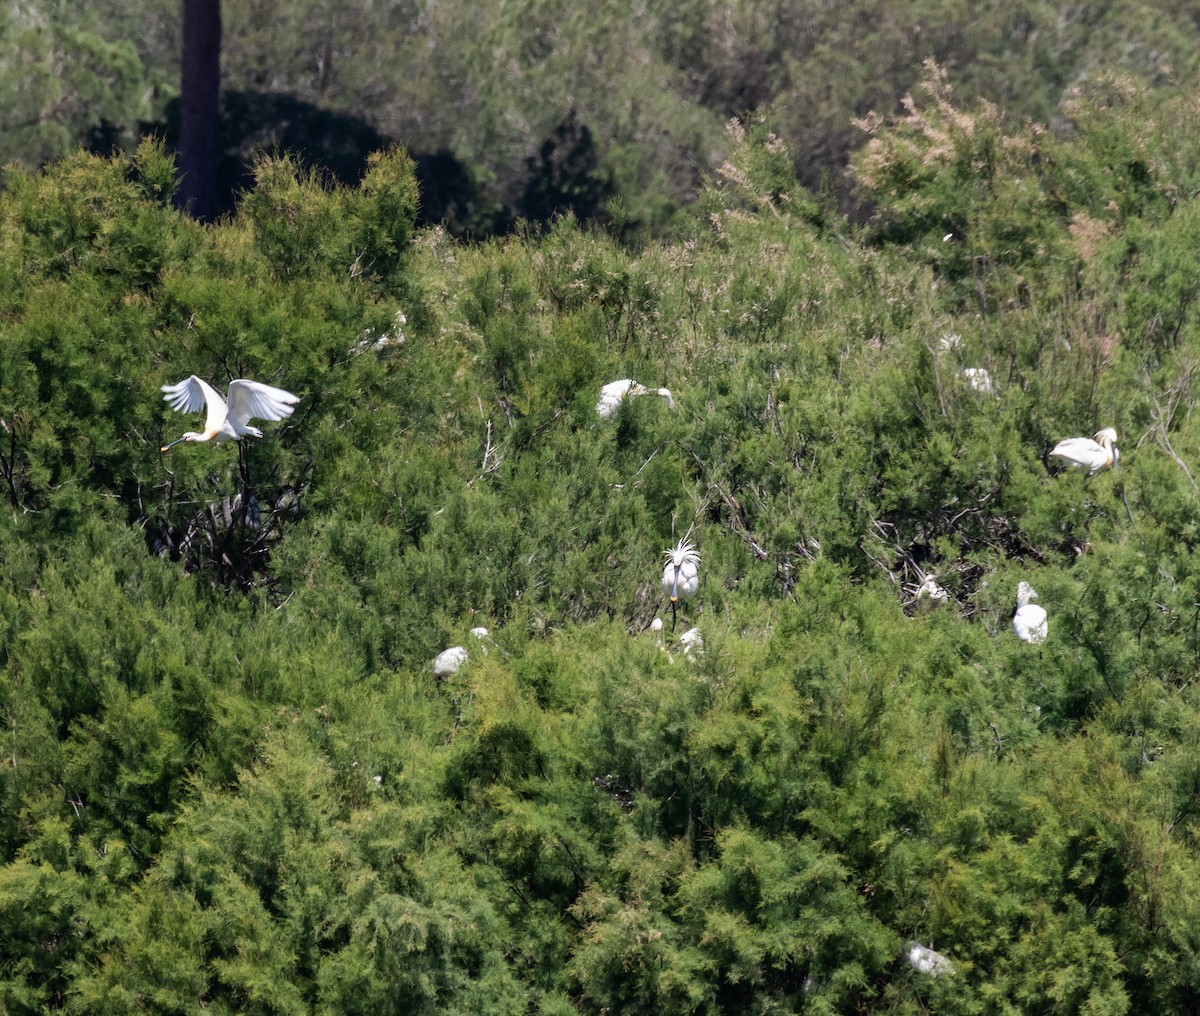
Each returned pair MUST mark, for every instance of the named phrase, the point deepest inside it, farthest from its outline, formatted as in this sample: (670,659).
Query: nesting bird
(449,660)
(930,594)
(692,641)
(978,379)
(616,392)
(1029,622)
(925,960)
(228,421)
(1090,453)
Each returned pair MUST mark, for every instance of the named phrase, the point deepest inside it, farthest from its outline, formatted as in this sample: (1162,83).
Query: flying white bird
(449,660)
(681,576)
(248,400)
(615,392)
(927,961)
(1090,453)
(1029,622)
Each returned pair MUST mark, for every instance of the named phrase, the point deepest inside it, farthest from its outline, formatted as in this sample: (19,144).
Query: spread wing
(190,394)
(253,400)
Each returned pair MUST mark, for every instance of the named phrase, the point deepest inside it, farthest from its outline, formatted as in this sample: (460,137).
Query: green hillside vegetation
(230,780)
(515,108)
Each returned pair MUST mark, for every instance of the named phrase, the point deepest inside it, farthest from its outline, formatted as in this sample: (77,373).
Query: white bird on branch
(616,392)
(248,400)
(1090,453)
(1029,622)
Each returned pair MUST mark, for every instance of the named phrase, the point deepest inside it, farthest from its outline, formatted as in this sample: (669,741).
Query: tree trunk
(200,107)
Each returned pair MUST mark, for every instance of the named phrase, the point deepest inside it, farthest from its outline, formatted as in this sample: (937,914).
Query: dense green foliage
(610,109)
(230,779)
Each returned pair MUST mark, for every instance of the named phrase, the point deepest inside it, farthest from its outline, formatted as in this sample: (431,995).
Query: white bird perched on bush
(1090,453)
(1029,622)
(449,660)
(692,641)
(930,594)
(615,392)
(248,400)
(978,379)
(681,576)
(926,960)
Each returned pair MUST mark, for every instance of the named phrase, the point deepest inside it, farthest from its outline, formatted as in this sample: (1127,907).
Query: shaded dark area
(450,197)
(254,122)
(566,175)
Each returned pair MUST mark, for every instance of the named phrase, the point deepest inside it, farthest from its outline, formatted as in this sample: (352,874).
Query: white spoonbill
(1090,453)
(1029,622)
(248,400)
(449,660)
(681,576)
(615,392)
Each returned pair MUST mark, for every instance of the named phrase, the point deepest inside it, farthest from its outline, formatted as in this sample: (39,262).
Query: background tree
(230,780)
(200,105)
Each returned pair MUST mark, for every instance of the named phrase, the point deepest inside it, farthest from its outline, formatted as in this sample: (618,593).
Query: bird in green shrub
(1029,622)
(228,421)
(449,660)
(616,392)
(930,594)
(926,960)
(1090,453)
(681,576)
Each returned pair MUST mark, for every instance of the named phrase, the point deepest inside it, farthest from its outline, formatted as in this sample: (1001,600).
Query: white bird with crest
(228,421)
(681,576)
(1029,622)
(1090,453)
(616,392)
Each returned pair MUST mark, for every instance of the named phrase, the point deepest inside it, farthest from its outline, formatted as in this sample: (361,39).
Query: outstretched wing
(253,400)
(190,394)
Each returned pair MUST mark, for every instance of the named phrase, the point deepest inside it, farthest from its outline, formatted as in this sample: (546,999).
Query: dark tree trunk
(196,160)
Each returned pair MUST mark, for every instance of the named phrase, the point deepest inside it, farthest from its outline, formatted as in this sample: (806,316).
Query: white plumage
(930,594)
(615,392)
(449,660)
(1029,622)
(692,641)
(681,576)
(978,379)
(927,961)
(1090,453)
(228,421)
